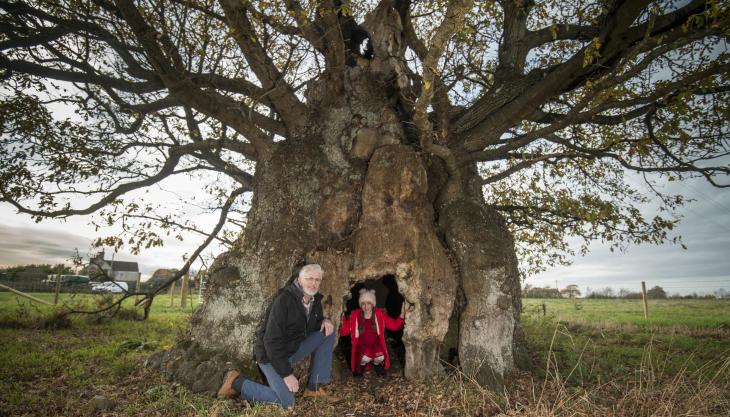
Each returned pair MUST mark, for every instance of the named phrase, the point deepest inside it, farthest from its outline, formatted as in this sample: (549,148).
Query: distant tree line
(571,291)
(655,292)
(33,272)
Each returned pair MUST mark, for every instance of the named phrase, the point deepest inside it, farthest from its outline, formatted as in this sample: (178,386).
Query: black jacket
(285,327)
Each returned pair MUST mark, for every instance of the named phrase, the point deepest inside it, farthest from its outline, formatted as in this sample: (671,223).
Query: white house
(118,270)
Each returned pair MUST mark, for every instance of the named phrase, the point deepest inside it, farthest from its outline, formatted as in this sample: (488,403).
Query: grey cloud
(21,245)
(703,267)
(35,245)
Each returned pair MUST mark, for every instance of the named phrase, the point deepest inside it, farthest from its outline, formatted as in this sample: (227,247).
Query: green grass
(586,359)
(85,356)
(604,340)
(699,314)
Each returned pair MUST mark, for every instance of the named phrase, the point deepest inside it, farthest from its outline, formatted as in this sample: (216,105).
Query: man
(294,328)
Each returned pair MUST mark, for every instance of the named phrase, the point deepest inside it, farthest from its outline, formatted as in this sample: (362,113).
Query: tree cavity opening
(388,298)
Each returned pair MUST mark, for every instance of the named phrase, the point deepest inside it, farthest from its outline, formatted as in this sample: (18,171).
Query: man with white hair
(294,328)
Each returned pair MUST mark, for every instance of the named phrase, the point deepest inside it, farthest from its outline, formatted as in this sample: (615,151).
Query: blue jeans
(277,392)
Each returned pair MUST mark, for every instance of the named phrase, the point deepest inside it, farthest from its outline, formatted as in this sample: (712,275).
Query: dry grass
(581,369)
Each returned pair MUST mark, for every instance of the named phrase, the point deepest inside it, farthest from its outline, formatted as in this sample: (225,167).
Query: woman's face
(367,307)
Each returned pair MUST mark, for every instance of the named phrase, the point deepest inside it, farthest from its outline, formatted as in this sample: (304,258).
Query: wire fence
(50,287)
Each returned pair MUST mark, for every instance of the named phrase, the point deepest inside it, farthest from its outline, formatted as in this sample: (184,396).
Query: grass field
(693,313)
(606,339)
(600,358)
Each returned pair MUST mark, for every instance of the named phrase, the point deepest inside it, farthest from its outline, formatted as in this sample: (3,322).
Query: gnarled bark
(354,193)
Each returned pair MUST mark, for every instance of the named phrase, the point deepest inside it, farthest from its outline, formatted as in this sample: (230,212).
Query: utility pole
(643,297)
(111,270)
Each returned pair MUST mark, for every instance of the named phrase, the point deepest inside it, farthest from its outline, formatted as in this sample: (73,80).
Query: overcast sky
(22,241)
(703,267)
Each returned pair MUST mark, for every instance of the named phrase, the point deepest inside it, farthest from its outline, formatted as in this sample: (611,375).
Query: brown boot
(226,390)
(320,393)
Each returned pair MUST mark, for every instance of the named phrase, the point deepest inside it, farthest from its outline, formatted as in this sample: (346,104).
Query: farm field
(600,359)
(693,313)
(609,339)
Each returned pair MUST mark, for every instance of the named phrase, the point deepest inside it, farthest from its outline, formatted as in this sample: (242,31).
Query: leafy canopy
(550,102)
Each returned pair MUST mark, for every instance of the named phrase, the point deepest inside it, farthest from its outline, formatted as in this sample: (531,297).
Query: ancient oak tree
(434,141)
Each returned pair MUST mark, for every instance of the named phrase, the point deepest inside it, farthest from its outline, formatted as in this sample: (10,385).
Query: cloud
(703,267)
(36,244)
(25,245)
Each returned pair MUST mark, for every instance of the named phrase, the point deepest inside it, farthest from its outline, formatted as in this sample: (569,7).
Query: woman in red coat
(366,327)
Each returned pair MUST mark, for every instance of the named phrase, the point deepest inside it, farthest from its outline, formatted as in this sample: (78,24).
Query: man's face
(310,282)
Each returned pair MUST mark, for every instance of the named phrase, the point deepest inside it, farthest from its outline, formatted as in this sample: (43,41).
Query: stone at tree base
(199,370)
(102,403)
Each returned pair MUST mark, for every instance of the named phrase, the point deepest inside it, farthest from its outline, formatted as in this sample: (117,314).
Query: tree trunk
(352,192)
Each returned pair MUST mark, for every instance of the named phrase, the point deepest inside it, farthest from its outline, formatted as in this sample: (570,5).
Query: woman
(366,328)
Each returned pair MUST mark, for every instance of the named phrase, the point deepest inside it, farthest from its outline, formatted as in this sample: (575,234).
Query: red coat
(382,322)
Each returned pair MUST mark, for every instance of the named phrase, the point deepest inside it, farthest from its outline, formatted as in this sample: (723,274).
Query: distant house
(162,275)
(159,277)
(118,270)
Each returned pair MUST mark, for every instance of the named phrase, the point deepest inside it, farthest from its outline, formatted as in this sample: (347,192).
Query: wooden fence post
(643,296)
(172,294)
(184,292)
(22,294)
(58,284)
(138,283)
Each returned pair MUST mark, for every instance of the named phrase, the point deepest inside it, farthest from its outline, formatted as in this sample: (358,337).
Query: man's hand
(327,327)
(292,383)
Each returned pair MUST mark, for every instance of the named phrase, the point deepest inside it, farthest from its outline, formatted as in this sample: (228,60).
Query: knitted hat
(367,295)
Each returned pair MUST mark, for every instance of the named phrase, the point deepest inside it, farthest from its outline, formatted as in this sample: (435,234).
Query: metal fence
(37,286)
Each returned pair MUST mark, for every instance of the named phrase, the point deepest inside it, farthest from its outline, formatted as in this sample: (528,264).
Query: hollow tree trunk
(353,193)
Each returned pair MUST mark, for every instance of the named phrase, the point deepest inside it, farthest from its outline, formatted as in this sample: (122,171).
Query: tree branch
(526,164)
(280,93)
(454,16)
(186,267)
(560,32)
(506,104)
(208,102)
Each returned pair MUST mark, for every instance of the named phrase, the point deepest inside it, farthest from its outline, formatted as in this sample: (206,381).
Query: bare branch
(186,267)
(454,16)
(528,163)
(208,102)
(167,221)
(166,170)
(280,93)
(681,166)
(79,77)
(559,33)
